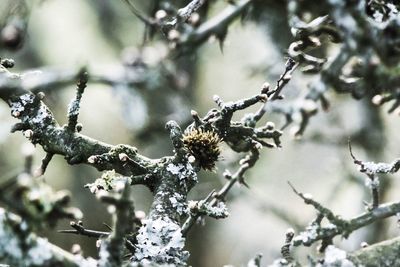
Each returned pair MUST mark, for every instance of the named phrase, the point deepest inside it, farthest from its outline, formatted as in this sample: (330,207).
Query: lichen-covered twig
(338,226)
(74,106)
(185,12)
(274,94)
(112,248)
(251,140)
(351,25)
(76,148)
(379,254)
(216,197)
(215,26)
(19,250)
(80,230)
(169,178)
(371,169)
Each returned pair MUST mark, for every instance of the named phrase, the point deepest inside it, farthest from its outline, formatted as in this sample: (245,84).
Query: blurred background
(63,36)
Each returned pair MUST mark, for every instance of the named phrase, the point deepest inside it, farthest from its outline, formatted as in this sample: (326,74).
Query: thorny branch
(371,169)
(80,230)
(160,175)
(338,226)
(359,35)
(360,27)
(253,147)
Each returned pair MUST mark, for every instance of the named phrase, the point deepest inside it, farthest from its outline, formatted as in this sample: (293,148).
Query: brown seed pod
(204,146)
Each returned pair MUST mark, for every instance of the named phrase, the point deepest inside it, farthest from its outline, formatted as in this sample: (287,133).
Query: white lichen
(10,246)
(41,115)
(378,16)
(372,184)
(73,108)
(307,236)
(184,172)
(17,106)
(380,167)
(82,262)
(39,253)
(160,241)
(103,254)
(217,211)
(178,203)
(30,251)
(330,226)
(159,208)
(335,257)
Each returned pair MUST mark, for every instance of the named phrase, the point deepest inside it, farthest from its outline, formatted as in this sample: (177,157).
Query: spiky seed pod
(204,146)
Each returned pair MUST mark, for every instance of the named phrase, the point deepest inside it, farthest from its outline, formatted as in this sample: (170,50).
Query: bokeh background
(102,35)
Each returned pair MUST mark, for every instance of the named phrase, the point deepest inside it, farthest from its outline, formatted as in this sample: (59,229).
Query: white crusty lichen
(104,254)
(10,247)
(160,241)
(73,108)
(372,183)
(39,253)
(184,172)
(380,167)
(22,249)
(178,203)
(307,236)
(37,250)
(41,114)
(217,211)
(17,106)
(335,257)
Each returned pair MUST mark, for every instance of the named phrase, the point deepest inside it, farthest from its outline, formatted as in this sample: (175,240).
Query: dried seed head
(203,145)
